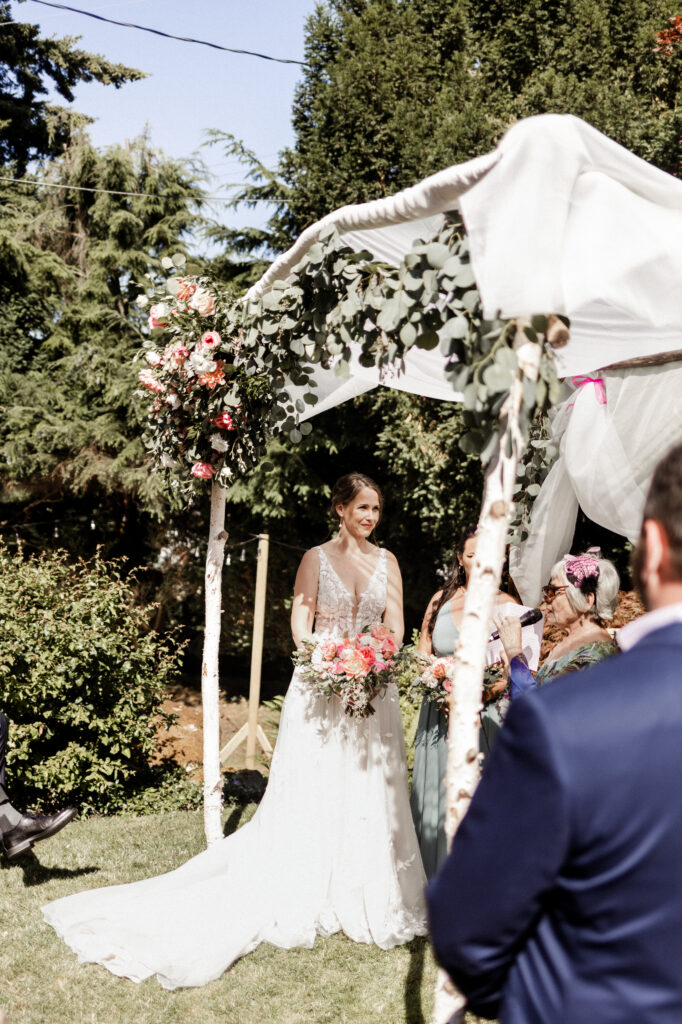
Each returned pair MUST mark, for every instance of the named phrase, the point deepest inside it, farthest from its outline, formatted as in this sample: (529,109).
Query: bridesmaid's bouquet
(436,681)
(354,669)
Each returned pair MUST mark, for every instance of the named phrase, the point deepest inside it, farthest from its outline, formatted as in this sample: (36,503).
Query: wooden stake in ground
(210,691)
(465,701)
(252,731)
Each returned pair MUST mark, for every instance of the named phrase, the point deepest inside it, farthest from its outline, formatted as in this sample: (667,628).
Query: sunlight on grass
(41,981)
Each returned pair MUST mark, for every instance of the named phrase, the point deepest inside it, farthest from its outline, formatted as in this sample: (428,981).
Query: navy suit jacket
(561,900)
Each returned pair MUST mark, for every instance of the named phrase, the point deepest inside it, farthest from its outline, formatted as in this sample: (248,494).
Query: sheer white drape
(607,455)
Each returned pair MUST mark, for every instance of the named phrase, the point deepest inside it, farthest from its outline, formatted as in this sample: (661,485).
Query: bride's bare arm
(305,597)
(393,616)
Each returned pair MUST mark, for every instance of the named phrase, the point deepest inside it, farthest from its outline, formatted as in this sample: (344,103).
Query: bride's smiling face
(361,514)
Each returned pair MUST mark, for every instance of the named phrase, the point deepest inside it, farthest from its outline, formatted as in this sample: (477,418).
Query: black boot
(34,827)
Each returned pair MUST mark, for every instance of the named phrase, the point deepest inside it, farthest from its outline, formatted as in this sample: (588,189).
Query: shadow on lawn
(413,983)
(36,873)
(232,823)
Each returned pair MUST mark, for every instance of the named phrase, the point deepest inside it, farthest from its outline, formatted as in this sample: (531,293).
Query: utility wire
(104,191)
(169,35)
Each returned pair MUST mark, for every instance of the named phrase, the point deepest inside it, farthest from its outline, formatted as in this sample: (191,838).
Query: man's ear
(656,551)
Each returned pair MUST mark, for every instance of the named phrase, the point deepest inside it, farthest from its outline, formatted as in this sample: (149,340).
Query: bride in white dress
(331,847)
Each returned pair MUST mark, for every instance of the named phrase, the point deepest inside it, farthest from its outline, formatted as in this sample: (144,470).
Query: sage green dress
(427,799)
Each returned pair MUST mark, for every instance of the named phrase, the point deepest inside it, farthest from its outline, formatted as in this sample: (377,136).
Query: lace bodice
(336,611)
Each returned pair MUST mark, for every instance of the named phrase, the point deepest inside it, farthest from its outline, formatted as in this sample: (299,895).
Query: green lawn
(41,981)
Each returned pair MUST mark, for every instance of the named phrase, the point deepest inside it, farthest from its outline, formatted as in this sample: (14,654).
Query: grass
(41,981)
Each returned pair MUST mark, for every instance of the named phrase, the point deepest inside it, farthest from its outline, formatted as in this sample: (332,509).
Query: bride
(331,847)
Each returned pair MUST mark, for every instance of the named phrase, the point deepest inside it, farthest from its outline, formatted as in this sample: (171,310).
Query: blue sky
(190,88)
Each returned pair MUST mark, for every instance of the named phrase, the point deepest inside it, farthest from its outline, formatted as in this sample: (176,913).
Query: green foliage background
(82,680)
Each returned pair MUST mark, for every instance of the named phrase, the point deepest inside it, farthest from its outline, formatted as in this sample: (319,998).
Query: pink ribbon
(599,388)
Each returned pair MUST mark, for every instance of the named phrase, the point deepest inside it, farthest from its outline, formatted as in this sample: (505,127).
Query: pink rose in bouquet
(202,470)
(209,339)
(158,315)
(224,421)
(147,378)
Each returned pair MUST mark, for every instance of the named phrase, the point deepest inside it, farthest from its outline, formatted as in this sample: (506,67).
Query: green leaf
(306,428)
(465,276)
(408,334)
(295,435)
(497,378)
(428,340)
(437,254)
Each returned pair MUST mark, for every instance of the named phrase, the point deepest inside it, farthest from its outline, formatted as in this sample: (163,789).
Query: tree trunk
(210,693)
(465,701)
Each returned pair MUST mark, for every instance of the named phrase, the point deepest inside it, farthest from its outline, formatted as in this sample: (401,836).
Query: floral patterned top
(581,657)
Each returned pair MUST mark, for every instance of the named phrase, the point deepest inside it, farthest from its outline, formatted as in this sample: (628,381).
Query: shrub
(82,680)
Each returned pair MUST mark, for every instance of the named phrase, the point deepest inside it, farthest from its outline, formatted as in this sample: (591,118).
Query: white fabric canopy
(561,220)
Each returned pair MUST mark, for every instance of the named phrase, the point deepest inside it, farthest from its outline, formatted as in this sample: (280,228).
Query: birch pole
(462,772)
(210,693)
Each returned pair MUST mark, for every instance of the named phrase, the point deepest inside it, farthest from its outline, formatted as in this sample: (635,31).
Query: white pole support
(210,688)
(462,772)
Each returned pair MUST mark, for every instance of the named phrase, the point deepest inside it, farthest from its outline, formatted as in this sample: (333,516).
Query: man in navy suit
(561,901)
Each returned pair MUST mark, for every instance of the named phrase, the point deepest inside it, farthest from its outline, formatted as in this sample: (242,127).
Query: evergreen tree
(596,59)
(71,265)
(31,128)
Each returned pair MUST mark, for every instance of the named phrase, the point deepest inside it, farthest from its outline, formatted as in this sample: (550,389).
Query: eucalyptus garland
(219,369)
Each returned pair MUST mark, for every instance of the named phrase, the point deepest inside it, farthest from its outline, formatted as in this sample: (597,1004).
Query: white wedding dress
(331,847)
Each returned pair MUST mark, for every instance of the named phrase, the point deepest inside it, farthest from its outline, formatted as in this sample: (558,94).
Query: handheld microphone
(527,619)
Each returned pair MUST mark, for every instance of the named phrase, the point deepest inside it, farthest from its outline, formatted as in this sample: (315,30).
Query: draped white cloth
(607,455)
(562,220)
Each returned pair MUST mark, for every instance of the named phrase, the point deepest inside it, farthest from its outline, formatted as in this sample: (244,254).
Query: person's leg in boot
(19,831)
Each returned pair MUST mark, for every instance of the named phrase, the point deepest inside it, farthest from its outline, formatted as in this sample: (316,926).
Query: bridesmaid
(439,634)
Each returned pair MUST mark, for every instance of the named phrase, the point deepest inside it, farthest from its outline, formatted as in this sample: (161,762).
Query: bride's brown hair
(346,488)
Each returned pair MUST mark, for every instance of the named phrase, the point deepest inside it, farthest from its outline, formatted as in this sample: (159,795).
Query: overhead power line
(104,191)
(168,35)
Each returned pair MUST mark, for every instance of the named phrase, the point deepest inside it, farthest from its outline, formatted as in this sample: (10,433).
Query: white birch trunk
(210,693)
(465,700)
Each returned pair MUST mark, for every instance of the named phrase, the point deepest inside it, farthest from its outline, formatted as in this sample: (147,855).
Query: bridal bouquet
(354,669)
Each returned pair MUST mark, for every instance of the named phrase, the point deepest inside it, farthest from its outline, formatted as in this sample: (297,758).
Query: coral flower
(215,377)
(185,290)
(202,470)
(203,302)
(354,664)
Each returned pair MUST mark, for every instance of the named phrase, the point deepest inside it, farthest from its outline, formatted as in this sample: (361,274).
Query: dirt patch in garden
(183,742)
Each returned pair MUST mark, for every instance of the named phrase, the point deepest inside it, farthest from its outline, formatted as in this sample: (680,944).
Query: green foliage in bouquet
(231,373)
(82,680)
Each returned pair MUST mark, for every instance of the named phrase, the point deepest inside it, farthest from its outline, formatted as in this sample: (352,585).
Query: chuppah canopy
(561,220)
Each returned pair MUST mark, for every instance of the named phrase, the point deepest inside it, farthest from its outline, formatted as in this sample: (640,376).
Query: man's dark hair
(664,504)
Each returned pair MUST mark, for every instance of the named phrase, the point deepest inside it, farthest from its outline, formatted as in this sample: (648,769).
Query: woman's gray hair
(605,597)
